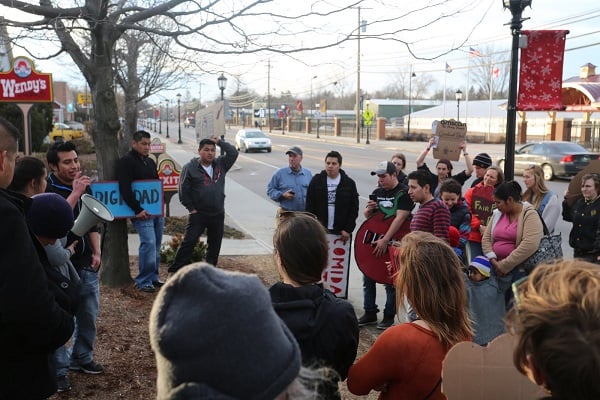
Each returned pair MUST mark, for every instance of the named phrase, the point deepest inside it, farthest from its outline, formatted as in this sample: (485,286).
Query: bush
(168,250)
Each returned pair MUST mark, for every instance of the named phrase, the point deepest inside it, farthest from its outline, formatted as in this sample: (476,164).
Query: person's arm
(468,162)
(551,213)
(185,189)
(311,196)
(80,187)
(273,187)
(231,154)
(381,244)
(421,158)
(58,254)
(465,229)
(441,222)
(95,246)
(352,209)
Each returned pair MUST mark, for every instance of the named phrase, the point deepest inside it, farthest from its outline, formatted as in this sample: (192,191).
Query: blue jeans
(61,359)
(84,334)
(150,232)
(196,225)
(370,294)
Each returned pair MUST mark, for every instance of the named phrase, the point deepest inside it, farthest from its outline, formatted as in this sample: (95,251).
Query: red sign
(156,113)
(23,84)
(169,175)
(156,146)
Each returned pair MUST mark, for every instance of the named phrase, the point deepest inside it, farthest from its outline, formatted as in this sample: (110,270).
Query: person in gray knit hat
(216,336)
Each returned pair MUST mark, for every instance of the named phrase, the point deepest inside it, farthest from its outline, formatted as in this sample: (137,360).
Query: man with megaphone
(67,180)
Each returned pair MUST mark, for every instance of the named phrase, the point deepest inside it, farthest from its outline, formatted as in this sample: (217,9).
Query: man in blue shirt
(288,185)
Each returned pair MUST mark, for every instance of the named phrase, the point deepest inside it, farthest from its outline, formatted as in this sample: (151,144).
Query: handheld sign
(335,275)
(483,203)
(147,192)
(449,135)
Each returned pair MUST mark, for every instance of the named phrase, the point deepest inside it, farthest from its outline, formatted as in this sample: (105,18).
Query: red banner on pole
(540,78)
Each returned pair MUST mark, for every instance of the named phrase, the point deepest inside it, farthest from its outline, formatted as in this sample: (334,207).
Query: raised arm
(421,158)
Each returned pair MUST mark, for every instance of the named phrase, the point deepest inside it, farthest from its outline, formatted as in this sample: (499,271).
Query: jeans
(196,225)
(61,360)
(84,334)
(150,232)
(370,293)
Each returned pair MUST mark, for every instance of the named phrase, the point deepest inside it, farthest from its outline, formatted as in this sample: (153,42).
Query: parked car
(65,132)
(557,159)
(252,139)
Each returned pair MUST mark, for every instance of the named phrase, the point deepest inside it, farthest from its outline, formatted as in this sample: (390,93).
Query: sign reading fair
(23,84)
(147,192)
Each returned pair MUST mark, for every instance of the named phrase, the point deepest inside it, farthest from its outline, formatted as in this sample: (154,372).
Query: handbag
(549,250)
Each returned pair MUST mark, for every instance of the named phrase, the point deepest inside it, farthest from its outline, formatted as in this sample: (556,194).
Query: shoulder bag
(549,250)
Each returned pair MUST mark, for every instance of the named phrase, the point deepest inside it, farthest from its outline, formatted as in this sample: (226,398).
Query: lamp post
(312,102)
(411,75)
(222,81)
(167,103)
(160,118)
(458,99)
(179,117)
(516,8)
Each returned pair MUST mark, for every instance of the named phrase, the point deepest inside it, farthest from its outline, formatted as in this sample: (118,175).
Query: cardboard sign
(449,134)
(335,276)
(148,192)
(483,203)
(470,371)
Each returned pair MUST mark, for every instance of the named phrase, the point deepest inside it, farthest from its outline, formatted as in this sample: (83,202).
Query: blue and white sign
(148,192)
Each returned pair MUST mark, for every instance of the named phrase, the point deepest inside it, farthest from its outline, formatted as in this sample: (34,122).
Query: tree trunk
(115,254)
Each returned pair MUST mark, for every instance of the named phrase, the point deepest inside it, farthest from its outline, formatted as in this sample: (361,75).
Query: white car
(252,139)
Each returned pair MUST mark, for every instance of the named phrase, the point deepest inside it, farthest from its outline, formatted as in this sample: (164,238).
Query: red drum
(369,232)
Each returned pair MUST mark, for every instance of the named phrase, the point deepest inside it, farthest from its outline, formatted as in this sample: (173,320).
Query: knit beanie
(482,160)
(215,333)
(50,216)
(482,264)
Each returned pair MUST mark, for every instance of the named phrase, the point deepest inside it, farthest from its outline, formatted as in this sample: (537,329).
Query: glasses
(283,215)
(516,289)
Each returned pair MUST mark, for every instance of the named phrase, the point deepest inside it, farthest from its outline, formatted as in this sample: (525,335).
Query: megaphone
(92,212)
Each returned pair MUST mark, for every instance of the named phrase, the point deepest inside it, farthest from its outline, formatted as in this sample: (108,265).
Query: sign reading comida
(23,84)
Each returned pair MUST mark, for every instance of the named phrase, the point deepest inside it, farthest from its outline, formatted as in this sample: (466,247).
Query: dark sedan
(557,159)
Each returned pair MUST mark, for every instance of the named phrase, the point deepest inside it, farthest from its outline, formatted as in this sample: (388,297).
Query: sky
(482,24)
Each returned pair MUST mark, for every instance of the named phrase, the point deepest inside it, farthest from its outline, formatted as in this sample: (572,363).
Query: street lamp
(160,118)
(516,8)
(312,103)
(458,99)
(412,75)
(222,81)
(179,117)
(167,123)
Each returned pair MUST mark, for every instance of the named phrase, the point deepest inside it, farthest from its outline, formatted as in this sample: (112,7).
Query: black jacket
(346,202)
(83,251)
(133,167)
(585,233)
(32,324)
(324,326)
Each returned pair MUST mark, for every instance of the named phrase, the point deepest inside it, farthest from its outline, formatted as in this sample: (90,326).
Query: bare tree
(490,74)
(89,30)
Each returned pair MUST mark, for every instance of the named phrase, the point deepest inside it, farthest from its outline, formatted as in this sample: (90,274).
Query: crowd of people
(458,277)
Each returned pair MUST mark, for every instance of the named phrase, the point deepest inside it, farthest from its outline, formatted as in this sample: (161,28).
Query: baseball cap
(294,149)
(384,167)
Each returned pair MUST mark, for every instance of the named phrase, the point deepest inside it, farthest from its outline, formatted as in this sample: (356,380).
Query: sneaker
(147,289)
(368,318)
(385,323)
(158,283)
(90,368)
(63,384)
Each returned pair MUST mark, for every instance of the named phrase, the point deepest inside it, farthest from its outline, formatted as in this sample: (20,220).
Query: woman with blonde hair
(406,360)
(555,320)
(543,199)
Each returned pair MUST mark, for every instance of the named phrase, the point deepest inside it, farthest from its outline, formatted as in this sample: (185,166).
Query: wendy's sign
(23,84)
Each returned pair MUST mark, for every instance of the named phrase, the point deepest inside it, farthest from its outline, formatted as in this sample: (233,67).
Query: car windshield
(255,134)
(565,148)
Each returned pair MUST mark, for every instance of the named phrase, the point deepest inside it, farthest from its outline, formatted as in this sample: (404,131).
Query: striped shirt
(432,217)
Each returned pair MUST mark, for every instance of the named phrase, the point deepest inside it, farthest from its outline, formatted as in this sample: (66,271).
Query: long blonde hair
(430,277)
(536,194)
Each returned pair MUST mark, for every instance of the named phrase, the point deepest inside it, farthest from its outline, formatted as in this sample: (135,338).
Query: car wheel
(269,150)
(501,165)
(548,172)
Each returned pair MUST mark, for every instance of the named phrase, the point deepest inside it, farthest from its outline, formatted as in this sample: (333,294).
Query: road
(250,208)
